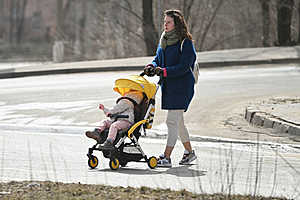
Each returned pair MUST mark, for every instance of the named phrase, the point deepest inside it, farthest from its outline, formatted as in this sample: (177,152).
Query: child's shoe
(164,162)
(188,157)
(94,134)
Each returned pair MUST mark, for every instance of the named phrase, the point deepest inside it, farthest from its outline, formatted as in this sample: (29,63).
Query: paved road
(281,118)
(37,113)
(220,98)
(221,167)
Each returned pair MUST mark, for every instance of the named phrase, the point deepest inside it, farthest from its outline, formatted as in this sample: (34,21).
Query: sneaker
(108,144)
(94,134)
(187,158)
(164,162)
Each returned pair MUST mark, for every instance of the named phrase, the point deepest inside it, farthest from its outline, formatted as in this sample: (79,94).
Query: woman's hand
(158,71)
(149,70)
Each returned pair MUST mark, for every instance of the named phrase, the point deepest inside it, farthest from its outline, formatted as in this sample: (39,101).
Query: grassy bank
(52,190)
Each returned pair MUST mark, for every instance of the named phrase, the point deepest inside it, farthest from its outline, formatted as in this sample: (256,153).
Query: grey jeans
(175,124)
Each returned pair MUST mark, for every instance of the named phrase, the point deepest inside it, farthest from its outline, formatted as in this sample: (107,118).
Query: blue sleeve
(187,59)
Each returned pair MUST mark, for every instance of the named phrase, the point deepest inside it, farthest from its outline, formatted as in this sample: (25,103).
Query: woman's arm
(157,59)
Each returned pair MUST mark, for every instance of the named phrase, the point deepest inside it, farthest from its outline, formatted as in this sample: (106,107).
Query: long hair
(180,24)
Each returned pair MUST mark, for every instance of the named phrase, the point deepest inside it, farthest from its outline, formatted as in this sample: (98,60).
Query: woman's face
(168,23)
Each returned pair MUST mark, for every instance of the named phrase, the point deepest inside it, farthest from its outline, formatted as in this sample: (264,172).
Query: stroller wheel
(152,162)
(114,163)
(93,162)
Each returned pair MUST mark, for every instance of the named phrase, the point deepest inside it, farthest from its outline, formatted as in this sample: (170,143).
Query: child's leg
(106,123)
(115,127)
(96,133)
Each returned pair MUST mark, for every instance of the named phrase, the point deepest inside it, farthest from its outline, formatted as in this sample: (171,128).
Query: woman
(174,64)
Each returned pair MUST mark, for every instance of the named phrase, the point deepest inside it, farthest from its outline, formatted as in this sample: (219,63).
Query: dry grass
(52,190)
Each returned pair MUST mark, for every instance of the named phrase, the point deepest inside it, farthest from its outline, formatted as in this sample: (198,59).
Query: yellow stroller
(124,151)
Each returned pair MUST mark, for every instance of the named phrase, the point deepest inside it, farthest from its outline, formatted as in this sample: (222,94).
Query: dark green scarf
(168,38)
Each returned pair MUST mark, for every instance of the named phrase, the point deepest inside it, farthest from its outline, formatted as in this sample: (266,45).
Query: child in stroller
(136,106)
(125,108)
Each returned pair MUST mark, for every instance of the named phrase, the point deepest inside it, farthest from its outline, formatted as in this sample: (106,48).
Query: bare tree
(187,9)
(206,26)
(149,30)
(298,23)
(82,27)
(20,16)
(16,20)
(284,21)
(131,27)
(62,10)
(59,18)
(265,6)
(11,21)
(2,26)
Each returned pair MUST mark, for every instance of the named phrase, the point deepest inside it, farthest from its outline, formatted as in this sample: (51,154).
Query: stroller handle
(160,77)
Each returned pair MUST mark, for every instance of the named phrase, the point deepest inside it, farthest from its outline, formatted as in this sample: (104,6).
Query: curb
(267,120)
(67,71)
(249,62)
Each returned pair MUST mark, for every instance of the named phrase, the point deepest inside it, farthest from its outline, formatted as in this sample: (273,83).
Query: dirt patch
(283,107)
(53,190)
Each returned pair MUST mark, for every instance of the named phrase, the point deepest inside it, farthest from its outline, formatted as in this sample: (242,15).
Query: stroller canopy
(135,82)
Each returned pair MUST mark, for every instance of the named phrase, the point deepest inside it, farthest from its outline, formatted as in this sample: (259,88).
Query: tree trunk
(150,33)
(2,27)
(209,24)
(20,20)
(265,5)
(59,19)
(82,24)
(58,50)
(11,21)
(284,21)
(187,5)
(298,23)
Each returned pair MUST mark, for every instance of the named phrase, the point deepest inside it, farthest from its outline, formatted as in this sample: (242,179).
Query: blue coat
(178,84)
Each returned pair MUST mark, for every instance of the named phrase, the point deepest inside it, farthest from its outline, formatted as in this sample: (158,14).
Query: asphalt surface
(244,168)
(281,115)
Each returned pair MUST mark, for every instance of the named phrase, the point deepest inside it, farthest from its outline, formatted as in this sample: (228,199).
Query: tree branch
(210,23)
(129,30)
(130,12)
(218,42)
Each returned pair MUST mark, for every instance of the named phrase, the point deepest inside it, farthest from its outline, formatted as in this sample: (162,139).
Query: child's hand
(101,106)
